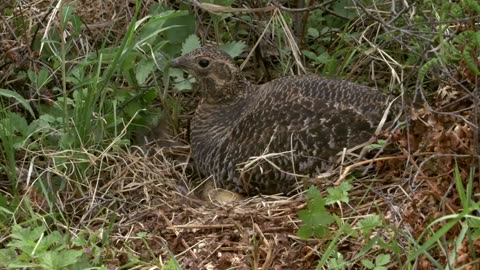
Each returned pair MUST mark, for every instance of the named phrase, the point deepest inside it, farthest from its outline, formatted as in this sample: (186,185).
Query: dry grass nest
(149,192)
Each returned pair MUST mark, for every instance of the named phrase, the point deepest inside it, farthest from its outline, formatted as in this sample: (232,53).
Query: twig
(217,8)
(201,226)
(275,5)
(361,163)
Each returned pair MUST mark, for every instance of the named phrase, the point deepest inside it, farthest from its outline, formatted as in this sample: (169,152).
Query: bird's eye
(203,63)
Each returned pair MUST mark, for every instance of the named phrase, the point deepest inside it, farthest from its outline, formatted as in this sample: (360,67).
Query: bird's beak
(177,63)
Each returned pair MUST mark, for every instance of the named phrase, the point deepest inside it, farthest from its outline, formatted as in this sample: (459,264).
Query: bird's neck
(221,106)
(220,92)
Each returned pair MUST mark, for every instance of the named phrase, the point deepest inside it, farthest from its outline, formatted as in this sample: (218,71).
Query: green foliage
(39,249)
(94,102)
(190,44)
(337,262)
(465,194)
(234,49)
(381,262)
(376,146)
(171,264)
(316,221)
(323,48)
(469,225)
(461,49)
(315,218)
(368,224)
(10,94)
(338,194)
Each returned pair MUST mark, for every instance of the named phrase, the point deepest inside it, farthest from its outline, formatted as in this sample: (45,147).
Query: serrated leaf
(179,81)
(233,49)
(60,260)
(338,193)
(27,234)
(315,217)
(191,43)
(7,255)
(52,239)
(368,264)
(369,223)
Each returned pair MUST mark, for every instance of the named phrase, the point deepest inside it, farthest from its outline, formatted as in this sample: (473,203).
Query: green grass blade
(11,94)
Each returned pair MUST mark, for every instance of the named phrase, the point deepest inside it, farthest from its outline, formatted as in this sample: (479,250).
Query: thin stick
(361,163)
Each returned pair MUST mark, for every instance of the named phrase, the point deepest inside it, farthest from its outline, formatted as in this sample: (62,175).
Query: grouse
(262,138)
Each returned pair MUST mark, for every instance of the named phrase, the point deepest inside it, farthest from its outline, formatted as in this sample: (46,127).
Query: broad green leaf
(19,123)
(143,70)
(323,58)
(234,49)
(59,260)
(7,255)
(53,238)
(382,259)
(310,55)
(313,32)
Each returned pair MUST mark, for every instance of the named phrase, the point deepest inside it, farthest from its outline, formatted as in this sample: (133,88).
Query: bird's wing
(308,113)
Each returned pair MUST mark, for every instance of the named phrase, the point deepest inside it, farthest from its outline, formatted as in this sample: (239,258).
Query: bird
(262,138)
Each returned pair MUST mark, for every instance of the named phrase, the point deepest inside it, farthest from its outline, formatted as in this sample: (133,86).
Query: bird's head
(214,70)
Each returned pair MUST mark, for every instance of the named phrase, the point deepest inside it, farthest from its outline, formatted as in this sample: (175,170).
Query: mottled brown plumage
(304,120)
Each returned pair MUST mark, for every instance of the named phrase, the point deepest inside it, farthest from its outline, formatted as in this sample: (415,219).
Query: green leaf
(25,239)
(337,262)
(338,194)
(180,82)
(323,58)
(191,43)
(315,217)
(234,49)
(10,94)
(27,234)
(52,239)
(171,264)
(379,145)
(369,223)
(6,256)
(368,264)
(310,55)
(60,260)
(143,70)
(382,259)
(313,32)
